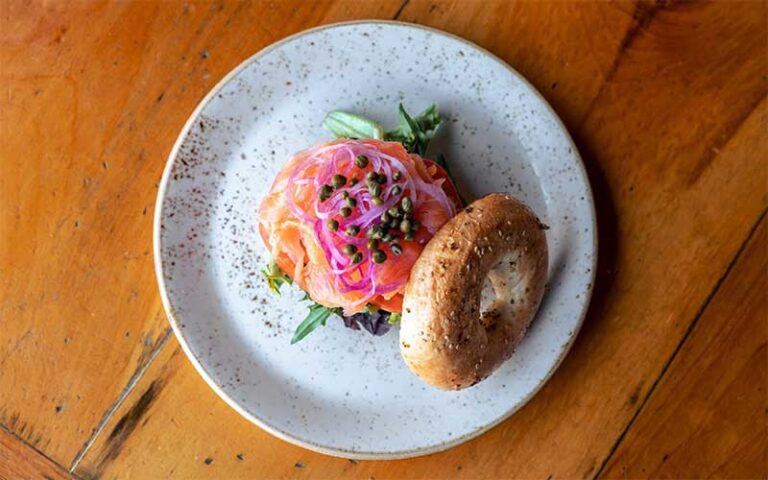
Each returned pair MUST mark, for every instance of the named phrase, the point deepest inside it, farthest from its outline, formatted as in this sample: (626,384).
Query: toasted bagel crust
(445,337)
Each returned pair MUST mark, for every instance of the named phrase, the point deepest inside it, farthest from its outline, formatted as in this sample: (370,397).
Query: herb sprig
(414,133)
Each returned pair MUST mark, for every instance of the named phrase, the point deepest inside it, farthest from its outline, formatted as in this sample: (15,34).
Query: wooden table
(667,102)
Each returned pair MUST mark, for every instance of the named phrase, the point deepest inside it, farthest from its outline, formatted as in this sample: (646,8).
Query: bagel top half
(473,292)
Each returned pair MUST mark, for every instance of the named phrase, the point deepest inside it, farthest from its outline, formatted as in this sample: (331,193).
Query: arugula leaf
(318,314)
(429,120)
(405,132)
(347,125)
(275,276)
(416,132)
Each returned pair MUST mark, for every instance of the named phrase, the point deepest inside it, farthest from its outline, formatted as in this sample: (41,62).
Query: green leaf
(347,125)
(394,318)
(275,277)
(371,308)
(416,132)
(428,121)
(404,132)
(407,124)
(318,314)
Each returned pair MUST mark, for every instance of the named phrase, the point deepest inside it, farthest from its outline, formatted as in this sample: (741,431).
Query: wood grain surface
(19,461)
(700,422)
(666,101)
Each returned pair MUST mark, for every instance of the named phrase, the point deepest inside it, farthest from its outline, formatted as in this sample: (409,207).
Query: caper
(375,189)
(407,204)
(396,176)
(377,201)
(361,161)
(409,236)
(357,258)
(372,244)
(415,225)
(388,237)
(351,202)
(405,226)
(353,181)
(345,212)
(345,194)
(396,249)
(381,178)
(385,218)
(332,224)
(371,176)
(338,181)
(352,230)
(325,192)
(379,256)
(350,249)
(396,190)
(375,232)
(394,212)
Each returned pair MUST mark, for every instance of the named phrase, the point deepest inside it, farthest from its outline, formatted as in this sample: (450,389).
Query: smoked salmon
(347,219)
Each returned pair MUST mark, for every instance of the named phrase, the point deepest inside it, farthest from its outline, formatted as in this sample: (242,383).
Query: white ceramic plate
(340,391)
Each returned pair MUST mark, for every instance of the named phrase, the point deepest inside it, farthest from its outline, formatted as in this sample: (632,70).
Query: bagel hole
(497,294)
(487,303)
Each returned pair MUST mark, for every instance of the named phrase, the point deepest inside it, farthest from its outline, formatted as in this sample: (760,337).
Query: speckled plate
(340,391)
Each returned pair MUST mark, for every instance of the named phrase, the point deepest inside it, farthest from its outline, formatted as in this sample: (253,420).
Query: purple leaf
(375,323)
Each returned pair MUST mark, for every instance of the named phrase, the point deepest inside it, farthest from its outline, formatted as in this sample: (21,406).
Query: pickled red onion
(352,285)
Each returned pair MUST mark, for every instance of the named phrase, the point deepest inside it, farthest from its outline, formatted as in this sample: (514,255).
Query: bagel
(473,292)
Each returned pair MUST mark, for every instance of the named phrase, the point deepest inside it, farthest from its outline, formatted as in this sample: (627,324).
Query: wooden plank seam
(7,431)
(134,380)
(688,332)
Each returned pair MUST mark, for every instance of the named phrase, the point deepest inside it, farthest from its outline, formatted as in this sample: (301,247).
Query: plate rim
(176,326)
